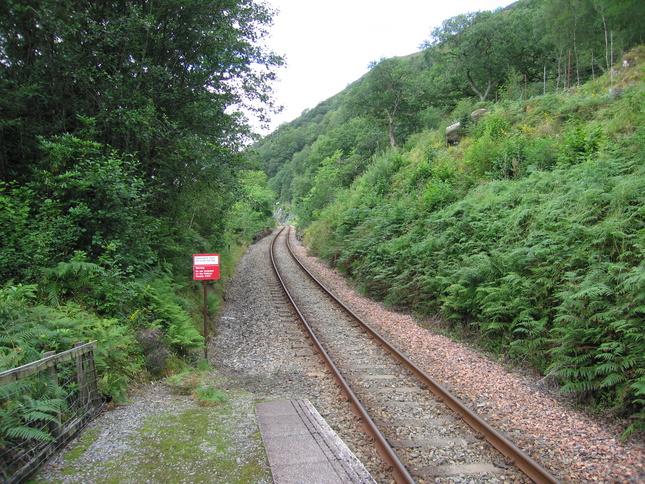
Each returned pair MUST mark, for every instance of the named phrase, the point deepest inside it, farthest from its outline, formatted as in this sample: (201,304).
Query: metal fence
(42,406)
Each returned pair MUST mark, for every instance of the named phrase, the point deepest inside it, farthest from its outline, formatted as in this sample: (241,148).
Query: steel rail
(527,465)
(399,472)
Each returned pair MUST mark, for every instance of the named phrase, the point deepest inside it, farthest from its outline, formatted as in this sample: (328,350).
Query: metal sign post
(205,268)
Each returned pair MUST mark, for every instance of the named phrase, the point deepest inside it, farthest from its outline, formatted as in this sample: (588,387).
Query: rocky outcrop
(453,132)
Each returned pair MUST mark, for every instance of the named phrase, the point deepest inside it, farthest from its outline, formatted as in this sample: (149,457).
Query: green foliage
(23,404)
(209,396)
(119,158)
(17,330)
(167,310)
(29,329)
(253,210)
(580,143)
(484,154)
(479,50)
(392,96)
(158,78)
(540,153)
(578,34)
(79,199)
(191,383)
(504,55)
(183,383)
(528,237)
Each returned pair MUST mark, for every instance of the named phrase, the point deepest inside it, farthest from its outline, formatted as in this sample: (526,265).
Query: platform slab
(302,448)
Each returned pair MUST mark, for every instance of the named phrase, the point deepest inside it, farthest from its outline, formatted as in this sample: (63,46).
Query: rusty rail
(399,472)
(527,465)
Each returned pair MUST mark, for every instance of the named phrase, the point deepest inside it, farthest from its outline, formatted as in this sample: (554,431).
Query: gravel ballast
(260,354)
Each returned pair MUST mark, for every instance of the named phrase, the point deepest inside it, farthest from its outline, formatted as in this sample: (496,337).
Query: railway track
(419,429)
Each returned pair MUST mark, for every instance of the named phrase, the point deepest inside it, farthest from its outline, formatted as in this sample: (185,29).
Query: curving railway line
(419,429)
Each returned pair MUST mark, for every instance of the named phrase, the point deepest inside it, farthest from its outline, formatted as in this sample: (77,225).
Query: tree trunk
(391,116)
(482,95)
(390,132)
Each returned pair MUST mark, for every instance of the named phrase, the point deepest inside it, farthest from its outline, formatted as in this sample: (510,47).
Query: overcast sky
(329,44)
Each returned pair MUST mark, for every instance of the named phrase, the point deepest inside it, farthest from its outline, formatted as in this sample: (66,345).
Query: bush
(155,350)
(541,154)
(166,310)
(580,142)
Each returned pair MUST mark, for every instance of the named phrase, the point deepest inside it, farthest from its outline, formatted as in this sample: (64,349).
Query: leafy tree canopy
(162,79)
(482,47)
(391,95)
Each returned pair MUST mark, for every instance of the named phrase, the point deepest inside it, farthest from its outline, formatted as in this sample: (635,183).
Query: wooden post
(95,396)
(52,372)
(205,320)
(81,378)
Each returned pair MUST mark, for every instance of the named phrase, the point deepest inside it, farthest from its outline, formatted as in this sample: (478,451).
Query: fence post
(81,378)
(95,396)
(52,372)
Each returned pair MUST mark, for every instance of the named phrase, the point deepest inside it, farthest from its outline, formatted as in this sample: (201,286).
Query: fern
(25,407)
(70,279)
(172,317)
(639,388)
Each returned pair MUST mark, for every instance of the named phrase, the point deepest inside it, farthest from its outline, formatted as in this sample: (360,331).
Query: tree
(572,34)
(78,200)
(165,80)
(163,84)
(481,48)
(253,209)
(392,93)
(582,33)
(626,19)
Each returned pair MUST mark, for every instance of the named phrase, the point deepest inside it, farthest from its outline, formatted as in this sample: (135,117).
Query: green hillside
(525,228)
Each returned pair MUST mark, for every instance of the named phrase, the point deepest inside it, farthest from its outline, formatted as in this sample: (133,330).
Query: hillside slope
(528,235)
(495,179)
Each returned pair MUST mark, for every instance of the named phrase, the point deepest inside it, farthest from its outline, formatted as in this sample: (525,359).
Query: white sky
(329,44)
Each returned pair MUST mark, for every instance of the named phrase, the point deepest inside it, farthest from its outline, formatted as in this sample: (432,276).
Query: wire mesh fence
(42,406)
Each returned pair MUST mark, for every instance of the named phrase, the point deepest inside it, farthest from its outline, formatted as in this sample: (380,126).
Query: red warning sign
(205,267)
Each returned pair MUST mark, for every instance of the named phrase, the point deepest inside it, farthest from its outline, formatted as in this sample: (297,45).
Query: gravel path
(260,354)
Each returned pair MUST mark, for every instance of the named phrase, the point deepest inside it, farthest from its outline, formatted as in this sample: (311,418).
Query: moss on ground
(89,437)
(202,451)
(188,443)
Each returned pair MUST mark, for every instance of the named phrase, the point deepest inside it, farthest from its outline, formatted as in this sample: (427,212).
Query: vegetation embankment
(121,127)
(546,266)
(525,228)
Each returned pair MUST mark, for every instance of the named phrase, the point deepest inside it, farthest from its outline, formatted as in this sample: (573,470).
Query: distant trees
(584,35)
(568,41)
(531,47)
(253,206)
